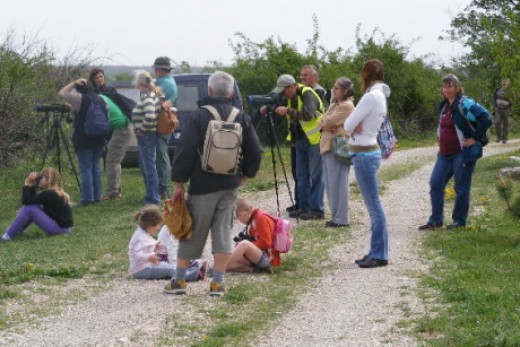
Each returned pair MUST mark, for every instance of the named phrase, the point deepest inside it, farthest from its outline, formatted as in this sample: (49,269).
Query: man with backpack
(212,193)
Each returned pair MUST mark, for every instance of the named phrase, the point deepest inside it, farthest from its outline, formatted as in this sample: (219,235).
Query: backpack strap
(230,118)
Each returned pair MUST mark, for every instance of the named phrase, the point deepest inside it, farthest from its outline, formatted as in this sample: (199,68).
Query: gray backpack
(223,144)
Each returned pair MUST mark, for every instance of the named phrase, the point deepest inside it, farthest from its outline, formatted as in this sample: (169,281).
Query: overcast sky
(129,32)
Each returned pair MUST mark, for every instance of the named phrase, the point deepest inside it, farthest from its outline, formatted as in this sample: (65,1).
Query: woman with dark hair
(363,125)
(335,173)
(89,149)
(460,145)
(120,138)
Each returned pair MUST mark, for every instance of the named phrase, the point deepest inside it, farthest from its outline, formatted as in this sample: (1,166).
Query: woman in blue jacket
(462,133)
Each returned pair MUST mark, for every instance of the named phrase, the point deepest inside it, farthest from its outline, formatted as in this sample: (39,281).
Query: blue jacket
(472,122)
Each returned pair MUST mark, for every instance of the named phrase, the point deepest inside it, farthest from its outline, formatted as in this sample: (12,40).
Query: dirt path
(347,307)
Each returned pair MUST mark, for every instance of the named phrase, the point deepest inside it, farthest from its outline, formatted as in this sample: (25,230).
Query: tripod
(273,143)
(54,139)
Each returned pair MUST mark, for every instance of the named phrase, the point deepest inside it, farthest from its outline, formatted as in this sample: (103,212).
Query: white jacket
(369,112)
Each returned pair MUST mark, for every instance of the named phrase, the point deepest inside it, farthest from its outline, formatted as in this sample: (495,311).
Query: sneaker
(176,288)
(216,289)
(203,270)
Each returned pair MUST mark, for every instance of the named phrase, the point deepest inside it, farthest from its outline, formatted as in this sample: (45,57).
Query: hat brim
(162,67)
(278,90)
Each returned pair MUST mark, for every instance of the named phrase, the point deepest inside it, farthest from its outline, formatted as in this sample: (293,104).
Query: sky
(129,32)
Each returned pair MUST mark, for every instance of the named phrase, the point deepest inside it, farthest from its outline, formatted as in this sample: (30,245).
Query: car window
(187,98)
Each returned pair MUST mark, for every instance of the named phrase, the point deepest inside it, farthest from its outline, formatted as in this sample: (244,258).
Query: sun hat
(162,63)
(283,82)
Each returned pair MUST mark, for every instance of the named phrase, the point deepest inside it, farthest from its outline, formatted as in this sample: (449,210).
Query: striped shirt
(146,112)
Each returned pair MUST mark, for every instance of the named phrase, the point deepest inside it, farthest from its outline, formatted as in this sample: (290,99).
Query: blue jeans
(366,167)
(165,270)
(446,167)
(310,186)
(147,143)
(90,172)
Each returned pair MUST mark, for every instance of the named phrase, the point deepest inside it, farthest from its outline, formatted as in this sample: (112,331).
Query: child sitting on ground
(253,250)
(48,208)
(155,259)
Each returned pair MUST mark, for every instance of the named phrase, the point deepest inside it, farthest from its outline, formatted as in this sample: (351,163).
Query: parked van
(191,88)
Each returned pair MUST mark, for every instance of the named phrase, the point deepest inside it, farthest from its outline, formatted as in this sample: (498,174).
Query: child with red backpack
(253,251)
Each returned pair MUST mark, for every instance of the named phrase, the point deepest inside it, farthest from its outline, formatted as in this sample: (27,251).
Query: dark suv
(191,87)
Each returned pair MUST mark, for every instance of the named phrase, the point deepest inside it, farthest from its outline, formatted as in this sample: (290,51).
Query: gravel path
(348,307)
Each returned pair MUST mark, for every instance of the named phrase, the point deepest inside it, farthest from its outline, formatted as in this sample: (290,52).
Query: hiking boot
(311,215)
(291,208)
(177,288)
(429,226)
(112,196)
(216,289)
(371,263)
(361,260)
(295,214)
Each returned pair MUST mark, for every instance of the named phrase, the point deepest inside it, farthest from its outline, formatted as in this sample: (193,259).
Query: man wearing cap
(303,110)
(162,68)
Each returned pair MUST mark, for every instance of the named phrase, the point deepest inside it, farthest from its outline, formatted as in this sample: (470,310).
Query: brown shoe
(113,196)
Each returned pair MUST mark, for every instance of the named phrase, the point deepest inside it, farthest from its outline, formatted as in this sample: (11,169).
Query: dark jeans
(445,168)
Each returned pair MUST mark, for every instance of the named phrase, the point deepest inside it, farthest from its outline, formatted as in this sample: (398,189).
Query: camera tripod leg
(65,144)
(273,142)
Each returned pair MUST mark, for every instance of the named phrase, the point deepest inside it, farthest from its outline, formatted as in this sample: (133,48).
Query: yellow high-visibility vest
(311,128)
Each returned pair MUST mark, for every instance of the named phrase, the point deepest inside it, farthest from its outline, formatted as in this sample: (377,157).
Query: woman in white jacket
(363,125)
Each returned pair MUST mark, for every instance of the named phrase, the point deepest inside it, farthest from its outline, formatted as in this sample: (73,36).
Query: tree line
(30,72)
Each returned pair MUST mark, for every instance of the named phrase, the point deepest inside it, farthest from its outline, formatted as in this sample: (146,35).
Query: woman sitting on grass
(253,250)
(155,259)
(49,209)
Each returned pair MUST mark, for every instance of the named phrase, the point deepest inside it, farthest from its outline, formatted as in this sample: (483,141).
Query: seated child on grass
(253,250)
(155,259)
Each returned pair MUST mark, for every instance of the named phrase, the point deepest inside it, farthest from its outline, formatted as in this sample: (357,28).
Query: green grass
(477,274)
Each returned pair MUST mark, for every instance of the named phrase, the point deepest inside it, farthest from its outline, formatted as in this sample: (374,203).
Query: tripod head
(59,112)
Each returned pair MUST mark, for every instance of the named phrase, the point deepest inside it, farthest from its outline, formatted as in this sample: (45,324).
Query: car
(191,87)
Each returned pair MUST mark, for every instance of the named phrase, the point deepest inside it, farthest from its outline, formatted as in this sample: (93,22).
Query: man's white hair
(220,84)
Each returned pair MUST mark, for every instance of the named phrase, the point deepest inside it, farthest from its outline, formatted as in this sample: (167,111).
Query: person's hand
(30,180)
(160,248)
(168,104)
(178,192)
(243,181)
(281,110)
(154,259)
(358,129)
(263,110)
(468,142)
(81,81)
